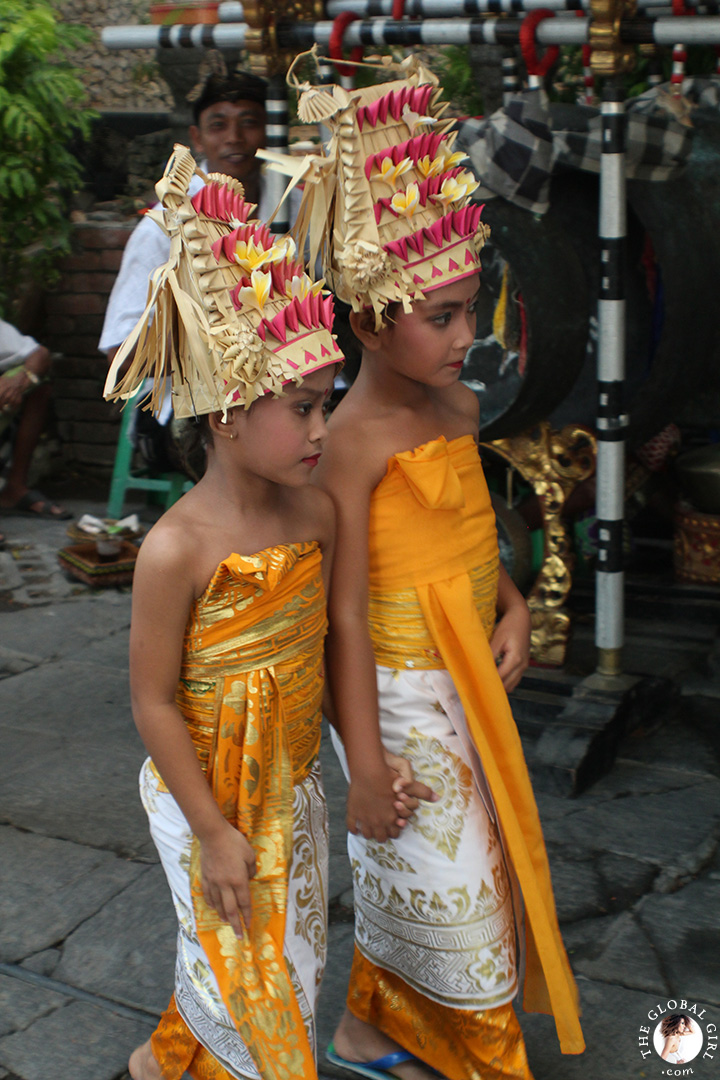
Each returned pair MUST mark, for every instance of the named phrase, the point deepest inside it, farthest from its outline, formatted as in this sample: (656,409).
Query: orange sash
(431,527)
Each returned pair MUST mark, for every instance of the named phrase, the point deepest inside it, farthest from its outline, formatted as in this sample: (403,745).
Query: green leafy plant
(453,67)
(41,111)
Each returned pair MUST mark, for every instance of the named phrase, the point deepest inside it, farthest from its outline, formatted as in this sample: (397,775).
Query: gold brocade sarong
(250,690)
(433,581)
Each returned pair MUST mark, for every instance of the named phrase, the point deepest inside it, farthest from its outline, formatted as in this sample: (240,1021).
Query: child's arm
(510,642)
(162,595)
(372,806)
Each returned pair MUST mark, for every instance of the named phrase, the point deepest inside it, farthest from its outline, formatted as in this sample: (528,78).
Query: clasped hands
(381,802)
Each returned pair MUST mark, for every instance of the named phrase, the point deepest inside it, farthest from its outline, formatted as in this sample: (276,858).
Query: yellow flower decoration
(454,188)
(450,159)
(249,255)
(405,202)
(390,173)
(431,166)
(301,286)
(283,249)
(413,119)
(257,293)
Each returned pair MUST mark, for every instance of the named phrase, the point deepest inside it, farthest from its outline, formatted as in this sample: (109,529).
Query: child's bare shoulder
(463,400)
(169,543)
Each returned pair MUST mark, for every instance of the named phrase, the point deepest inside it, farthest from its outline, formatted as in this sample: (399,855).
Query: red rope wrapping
(398,9)
(339,26)
(679,55)
(535,65)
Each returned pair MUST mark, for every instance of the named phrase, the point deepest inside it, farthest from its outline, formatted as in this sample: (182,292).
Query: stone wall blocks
(75,304)
(89,283)
(104,236)
(74,367)
(78,389)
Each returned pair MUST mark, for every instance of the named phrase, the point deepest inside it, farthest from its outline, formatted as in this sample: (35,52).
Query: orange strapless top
(433,584)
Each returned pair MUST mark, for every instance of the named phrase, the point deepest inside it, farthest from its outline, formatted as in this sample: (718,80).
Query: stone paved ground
(86,923)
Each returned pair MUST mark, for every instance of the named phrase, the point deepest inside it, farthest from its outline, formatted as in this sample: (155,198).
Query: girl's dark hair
(192,437)
(349,344)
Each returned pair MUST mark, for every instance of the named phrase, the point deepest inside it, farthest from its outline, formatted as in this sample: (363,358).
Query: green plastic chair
(171,484)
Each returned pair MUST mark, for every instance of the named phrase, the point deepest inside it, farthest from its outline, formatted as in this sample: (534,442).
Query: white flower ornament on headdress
(455,188)
(257,293)
(414,120)
(301,286)
(404,203)
(390,173)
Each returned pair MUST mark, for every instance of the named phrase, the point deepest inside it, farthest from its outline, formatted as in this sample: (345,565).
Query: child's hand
(408,790)
(510,645)
(371,806)
(227,862)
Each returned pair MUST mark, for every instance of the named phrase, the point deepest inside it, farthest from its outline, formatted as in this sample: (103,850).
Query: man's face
(228,135)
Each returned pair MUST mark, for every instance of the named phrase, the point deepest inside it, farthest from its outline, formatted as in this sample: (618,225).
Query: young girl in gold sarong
(427,631)
(226,642)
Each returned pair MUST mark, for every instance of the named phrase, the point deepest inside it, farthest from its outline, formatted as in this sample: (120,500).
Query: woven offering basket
(84,562)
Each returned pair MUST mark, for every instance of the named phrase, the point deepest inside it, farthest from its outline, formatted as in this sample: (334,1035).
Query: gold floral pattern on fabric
(462,1044)
(387,855)
(453,947)
(310,902)
(441,823)
(256,729)
(399,633)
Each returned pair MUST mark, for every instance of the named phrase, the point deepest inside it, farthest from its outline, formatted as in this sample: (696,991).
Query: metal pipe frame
(374,33)
(231,11)
(444,9)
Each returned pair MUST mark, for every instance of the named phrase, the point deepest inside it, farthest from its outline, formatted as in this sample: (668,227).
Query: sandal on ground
(27,506)
(374,1070)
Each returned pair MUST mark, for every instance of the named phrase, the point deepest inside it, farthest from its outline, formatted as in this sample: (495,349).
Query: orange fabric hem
(177,1051)
(461,1044)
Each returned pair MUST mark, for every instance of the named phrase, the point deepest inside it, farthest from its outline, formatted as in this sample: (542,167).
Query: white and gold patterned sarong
(197,994)
(448,931)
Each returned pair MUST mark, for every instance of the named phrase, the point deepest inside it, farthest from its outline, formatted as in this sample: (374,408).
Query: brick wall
(74,310)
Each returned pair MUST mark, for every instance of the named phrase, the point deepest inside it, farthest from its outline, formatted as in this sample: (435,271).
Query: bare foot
(357,1041)
(142,1064)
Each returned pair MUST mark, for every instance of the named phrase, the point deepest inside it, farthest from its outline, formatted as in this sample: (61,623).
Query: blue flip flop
(374,1070)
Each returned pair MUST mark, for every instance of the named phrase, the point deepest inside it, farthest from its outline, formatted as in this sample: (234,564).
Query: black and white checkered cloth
(514,152)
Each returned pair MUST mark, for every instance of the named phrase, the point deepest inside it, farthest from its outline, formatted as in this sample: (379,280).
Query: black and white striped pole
(378,33)
(277,139)
(611,419)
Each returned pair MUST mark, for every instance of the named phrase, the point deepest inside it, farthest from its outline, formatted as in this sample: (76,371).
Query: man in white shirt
(229,128)
(24,396)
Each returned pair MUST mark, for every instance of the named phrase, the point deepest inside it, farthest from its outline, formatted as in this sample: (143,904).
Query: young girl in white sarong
(417,662)
(226,643)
